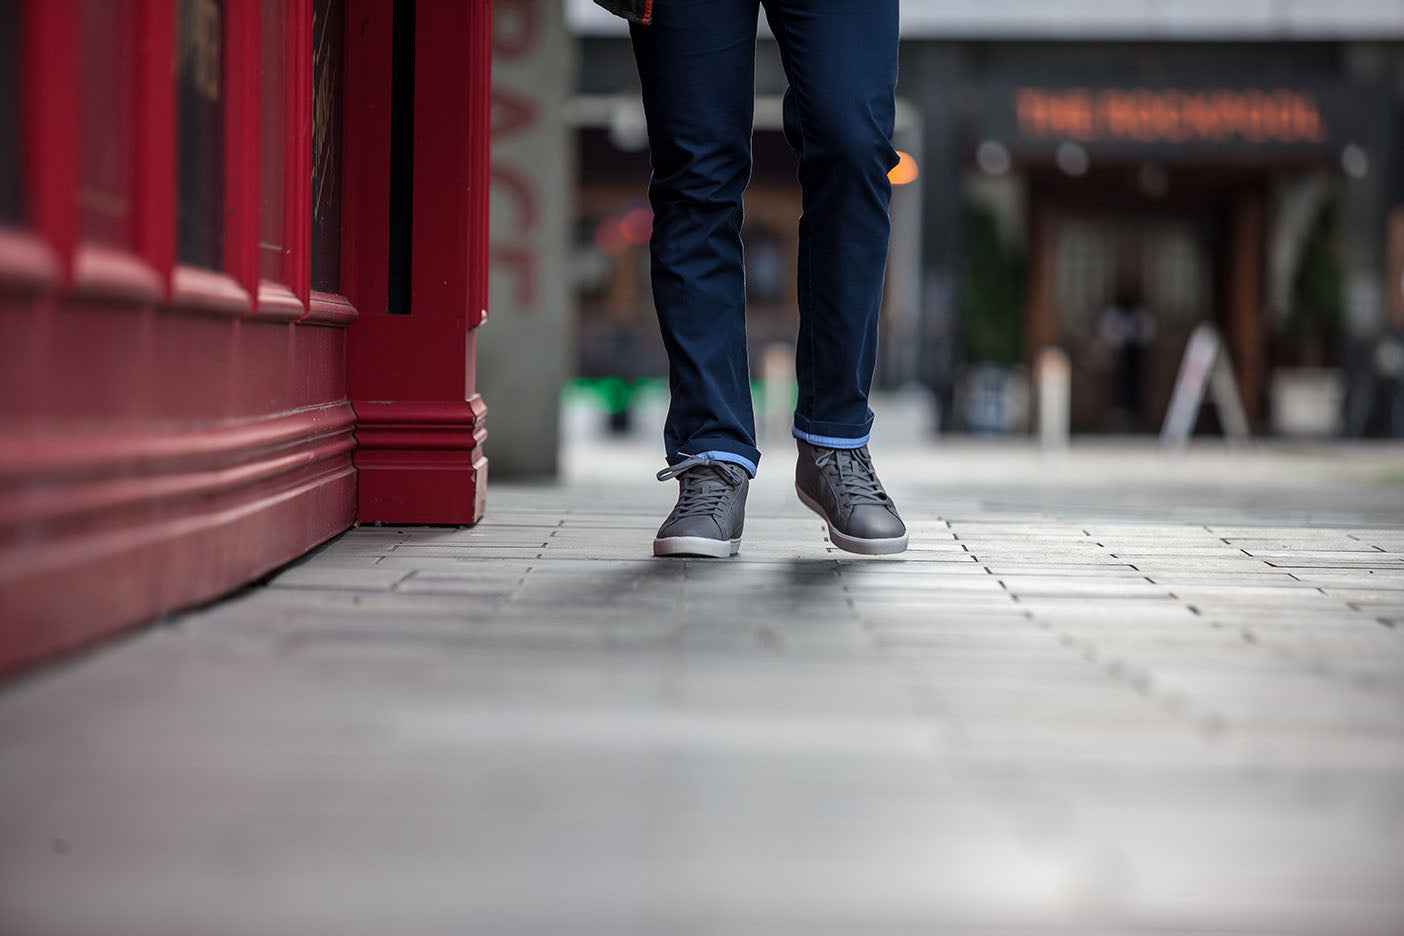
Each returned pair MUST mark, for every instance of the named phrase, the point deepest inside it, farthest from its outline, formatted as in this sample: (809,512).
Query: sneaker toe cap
(692,526)
(869,521)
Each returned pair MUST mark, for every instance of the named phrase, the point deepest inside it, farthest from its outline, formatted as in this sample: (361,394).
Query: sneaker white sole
(855,544)
(696,546)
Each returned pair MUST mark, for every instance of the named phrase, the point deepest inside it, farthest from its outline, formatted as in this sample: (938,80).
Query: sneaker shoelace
(854,468)
(706,484)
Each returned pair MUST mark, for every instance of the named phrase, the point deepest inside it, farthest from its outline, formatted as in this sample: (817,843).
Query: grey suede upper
(842,482)
(711,500)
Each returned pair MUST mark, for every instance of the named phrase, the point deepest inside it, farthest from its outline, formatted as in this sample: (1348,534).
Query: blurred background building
(1092,177)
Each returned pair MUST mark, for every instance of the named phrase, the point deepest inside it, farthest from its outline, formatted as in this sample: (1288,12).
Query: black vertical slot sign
(11,191)
(401,157)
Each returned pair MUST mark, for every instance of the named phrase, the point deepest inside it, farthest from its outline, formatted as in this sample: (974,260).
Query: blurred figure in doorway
(1124,331)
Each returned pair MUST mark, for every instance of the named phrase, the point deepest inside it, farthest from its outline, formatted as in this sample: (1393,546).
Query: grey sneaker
(841,486)
(710,512)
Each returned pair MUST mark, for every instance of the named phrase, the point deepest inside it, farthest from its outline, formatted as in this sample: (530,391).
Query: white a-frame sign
(1205,368)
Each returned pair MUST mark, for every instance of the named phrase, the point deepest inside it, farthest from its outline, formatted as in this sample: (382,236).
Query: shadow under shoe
(710,512)
(841,486)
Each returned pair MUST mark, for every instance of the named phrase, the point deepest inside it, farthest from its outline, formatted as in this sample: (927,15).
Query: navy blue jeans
(697,64)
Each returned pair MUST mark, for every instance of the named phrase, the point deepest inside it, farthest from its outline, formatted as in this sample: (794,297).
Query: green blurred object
(991,294)
(612,394)
(1318,291)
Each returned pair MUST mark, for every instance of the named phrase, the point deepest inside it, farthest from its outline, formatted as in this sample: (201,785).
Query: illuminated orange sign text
(1169,116)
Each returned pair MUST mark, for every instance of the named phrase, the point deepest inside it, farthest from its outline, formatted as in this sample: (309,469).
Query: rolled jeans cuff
(830,435)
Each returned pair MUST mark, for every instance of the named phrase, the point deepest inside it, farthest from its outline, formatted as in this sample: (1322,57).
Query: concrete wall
(524,348)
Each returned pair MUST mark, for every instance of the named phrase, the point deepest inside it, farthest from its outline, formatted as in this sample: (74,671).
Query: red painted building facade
(243,251)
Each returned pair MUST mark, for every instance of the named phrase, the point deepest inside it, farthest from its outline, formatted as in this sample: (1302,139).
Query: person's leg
(841,61)
(696,61)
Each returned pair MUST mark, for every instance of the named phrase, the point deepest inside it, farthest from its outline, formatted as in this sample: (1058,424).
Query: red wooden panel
(50,83)
(153,202)
(273,90)
(411,376)
(451,160)
(365,206)
(241,143)
(101,530)
(157,448)
(107,53)
(152,457)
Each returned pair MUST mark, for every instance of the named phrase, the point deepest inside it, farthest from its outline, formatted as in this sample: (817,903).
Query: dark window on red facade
(200,99)
(11,191)
(328,30)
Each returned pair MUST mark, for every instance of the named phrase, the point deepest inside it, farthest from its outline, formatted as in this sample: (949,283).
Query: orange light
(637,224)
(905,171)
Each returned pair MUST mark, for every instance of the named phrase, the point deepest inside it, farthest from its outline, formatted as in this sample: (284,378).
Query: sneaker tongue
(857,476)
(709,475)
(705,488)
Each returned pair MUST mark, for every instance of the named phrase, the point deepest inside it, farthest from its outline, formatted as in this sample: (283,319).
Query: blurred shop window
(1175,271)
(766,266)
(1085,273)
(593,268)
(105,167)
(200,139)
(328,17)
(612,245)
(610,267)
(11,190)
(272,136)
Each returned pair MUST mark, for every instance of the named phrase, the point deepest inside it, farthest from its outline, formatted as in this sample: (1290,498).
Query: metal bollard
(778,400)
(1053,377)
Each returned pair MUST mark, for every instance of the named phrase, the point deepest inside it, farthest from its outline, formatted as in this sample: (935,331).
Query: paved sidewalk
(1104,693)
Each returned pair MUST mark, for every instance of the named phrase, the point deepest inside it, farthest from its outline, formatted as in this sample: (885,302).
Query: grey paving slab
(1258,578)
(1106,693)
(339,577)
(998,565)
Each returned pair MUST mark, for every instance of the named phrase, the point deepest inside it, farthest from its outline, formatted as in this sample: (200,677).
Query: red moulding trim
(277,303)
(329,309)
(46,507)
(46,478)
(101,532)
(107,582)
(420,424)
(114,275)
(197,290)
(27,264)
(69,450)
(421,461)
